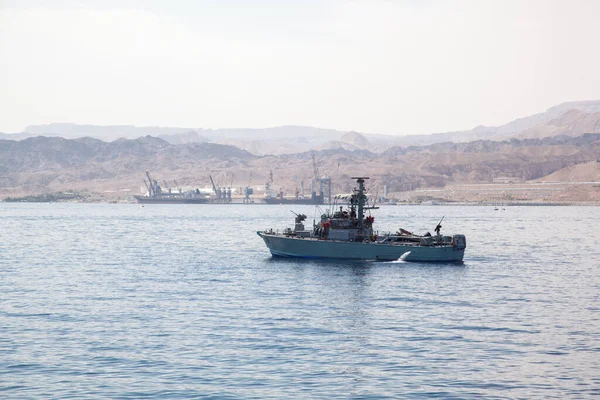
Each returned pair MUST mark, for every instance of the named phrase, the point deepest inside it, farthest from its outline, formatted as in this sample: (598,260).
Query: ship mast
(361,200)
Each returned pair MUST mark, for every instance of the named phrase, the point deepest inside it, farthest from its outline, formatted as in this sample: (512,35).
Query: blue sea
(122,301)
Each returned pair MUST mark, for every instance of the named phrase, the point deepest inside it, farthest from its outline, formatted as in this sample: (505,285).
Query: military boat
(348,234)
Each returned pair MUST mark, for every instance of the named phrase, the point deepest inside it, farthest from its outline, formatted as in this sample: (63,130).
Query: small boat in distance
(349,235)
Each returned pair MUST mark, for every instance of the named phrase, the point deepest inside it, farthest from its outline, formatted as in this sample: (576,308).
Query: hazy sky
(393,67)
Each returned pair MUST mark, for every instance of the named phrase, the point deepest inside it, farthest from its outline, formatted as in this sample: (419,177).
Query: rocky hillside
(43,153)
(43,164)
(482,161)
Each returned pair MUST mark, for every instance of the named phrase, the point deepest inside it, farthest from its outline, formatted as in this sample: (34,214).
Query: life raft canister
(459,241)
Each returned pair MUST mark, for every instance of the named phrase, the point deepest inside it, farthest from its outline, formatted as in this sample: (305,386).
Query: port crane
(153,188)
(177,186)
(217,192)
(324,182)
(248,190)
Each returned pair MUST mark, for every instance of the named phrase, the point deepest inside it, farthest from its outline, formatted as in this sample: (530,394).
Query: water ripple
(120,301)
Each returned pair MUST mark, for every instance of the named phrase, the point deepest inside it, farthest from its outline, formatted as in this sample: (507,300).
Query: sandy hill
(584,172)
(356,139)
(183,137)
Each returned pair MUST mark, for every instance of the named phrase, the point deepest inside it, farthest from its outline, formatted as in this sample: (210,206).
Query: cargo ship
(314,199)
(323,196)
(157,195)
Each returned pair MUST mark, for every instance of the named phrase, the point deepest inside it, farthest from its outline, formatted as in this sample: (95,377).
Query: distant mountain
(520,125)
(276,140)
(356,139)
(109,132)
(184,137)
(511,129)
(572,118)
(571,123)
(278,132)
(348,141)
(337,144)
(16,136)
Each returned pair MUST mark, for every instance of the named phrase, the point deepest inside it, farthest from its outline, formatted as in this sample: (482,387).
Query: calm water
(124,301)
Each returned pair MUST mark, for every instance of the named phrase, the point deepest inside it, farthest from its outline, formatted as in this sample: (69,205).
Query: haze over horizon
(406,67)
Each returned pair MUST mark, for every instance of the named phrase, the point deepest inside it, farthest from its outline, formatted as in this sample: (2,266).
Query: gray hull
(283,246)
(170,200)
